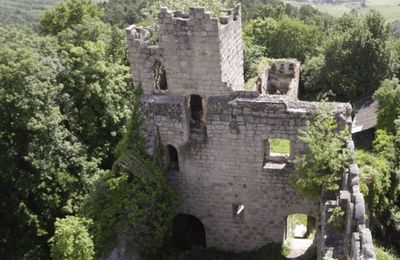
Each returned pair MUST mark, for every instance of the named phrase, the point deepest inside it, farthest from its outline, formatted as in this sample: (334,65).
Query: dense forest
(72,155)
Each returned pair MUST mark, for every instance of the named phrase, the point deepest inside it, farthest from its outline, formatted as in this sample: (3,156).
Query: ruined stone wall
(280,77)
(223,160)
(355,240)
(230,31)
(226,166)
(202,55)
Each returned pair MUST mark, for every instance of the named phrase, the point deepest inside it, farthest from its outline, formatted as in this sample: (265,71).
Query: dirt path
(298,247)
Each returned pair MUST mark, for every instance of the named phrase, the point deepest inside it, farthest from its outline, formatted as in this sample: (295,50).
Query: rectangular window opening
(277,153)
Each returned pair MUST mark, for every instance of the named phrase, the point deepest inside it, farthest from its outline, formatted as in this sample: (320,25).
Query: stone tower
(196,54)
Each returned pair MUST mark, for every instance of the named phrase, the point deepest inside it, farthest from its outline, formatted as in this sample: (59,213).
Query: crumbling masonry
(217,136)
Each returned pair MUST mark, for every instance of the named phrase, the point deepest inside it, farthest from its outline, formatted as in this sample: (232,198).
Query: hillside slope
(24,11)
(390,9)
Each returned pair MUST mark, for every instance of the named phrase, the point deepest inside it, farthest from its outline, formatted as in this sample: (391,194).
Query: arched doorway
(188,233)
(299,235)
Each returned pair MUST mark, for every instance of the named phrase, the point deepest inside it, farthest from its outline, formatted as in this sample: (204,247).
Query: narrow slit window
(238,213)
(160,76)
(196,108)
(172,160)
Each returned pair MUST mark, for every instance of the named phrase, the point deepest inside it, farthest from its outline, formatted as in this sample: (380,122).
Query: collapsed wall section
(354,241)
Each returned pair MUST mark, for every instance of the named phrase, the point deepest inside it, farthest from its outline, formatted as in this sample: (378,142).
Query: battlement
(198,16)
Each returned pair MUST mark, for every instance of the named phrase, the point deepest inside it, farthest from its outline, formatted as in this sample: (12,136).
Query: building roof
(365,113)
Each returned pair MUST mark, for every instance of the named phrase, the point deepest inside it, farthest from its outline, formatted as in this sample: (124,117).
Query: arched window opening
(282,68)
(299,232)
(291,67)
(172,158)
(188,232)
(160,76)
(196,108)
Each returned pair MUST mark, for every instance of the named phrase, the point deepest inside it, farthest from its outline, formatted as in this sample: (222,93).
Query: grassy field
(385,254)
(281,146)
(390,9)
(24,11)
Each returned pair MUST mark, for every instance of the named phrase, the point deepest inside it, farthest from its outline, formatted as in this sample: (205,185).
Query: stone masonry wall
(202,55)
(227,168)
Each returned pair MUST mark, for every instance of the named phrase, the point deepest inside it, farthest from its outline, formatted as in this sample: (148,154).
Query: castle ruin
(219,138)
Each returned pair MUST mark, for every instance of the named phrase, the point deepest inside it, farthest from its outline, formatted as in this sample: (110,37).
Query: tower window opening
(238,213)
(160,76)
(277,151)
(172,160)
(196,108)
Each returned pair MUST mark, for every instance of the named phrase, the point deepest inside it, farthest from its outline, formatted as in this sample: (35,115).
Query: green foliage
(321,168)
(135,197)
(45,172)
(64,103)
(97,88)
(375,173)
(71,240)
(383,253)
(354,61)
(270,251)
(336,219)
(388,97)
(122,12)
(253,55)
(285,37)
(295,220)
(281,146)
(67,14)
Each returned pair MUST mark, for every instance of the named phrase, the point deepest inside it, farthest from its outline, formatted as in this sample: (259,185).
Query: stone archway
(299,234)
(188,232)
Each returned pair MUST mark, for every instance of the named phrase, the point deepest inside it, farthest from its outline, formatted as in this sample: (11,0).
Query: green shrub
(71,240)
(326,159)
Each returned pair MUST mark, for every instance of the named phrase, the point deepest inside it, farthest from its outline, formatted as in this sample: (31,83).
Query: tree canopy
(321,168)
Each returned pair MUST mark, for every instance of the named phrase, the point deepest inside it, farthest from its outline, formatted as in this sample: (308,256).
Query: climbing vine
(133,200)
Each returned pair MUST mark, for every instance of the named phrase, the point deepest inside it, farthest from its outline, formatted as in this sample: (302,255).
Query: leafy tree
(388,97)
(285,37)
(321,168)
(67,14)
(354,61)
(97,88)
(122,12)
(134,198)
(71,240)
(44,170)
(375,173)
